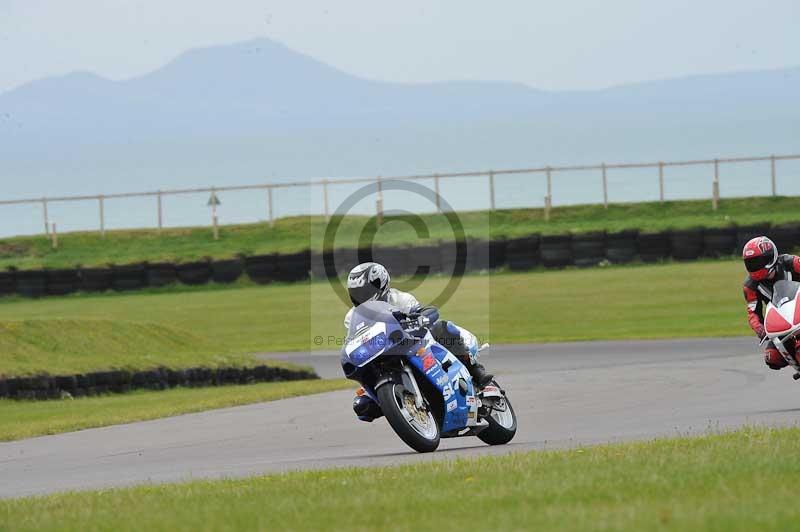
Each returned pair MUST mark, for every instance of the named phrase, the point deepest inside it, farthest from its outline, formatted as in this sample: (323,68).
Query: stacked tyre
(160,274)
(653,247)
(746,232)
(32,283)
(497,253)
(95,279)
(129,277)
(322,265)
(62,282)
(556,251)
(719,242)
(478,253)
(622,247)
(424,260)
(194,273)
(226,271)
(260,268)
(391,257)
(294,267)
(588,249)
(522,253)
(8,283)
(686,244)
(786,236)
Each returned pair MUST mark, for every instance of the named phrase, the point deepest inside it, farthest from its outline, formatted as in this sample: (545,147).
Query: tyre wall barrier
(523,253)
(394,258)
(786,236)
(95,279)
(128,277)
(161,274)
(653,247)
(498,253)
(62,282)
(194,273)
(121,381)
(260,268)
(294,267)
(478,255)
(31,283)
(8,283)
(686,244)
(588,249)
(556,251)
(719,242)
(519,254)
(622,246)
(226,271)
(746,232)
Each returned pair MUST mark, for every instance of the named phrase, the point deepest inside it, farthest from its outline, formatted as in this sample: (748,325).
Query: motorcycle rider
(369,281)
(765,267)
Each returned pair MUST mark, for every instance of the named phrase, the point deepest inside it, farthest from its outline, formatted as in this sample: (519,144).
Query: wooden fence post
(160,213)
(715,187)
(269,201)
(101,205)
(46,217)
(491,190)
(772,173)
(325,198)
(379,202)
(436,188)
(548,199)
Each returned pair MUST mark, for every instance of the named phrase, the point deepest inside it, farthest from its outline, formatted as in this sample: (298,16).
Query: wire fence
(274,190)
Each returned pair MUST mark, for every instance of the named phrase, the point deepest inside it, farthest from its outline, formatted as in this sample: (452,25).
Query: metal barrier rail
(436,177)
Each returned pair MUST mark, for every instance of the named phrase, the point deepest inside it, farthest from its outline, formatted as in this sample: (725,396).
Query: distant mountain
(239,113)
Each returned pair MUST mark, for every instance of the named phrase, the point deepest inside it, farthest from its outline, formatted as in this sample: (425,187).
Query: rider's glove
(760,332)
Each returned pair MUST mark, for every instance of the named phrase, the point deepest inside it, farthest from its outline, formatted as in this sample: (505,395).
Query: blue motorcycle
(424,391)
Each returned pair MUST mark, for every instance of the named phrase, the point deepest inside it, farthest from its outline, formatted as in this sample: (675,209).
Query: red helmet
(760,256)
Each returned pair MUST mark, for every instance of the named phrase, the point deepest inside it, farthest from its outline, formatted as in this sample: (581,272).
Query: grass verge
(66,346)
(721,482)
(25,419)
(660,301)
(297,233)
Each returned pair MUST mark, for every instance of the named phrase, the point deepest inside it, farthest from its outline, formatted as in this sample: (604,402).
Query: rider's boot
(365,408)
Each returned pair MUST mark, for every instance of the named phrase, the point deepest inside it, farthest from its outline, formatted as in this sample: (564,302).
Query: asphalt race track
(564,395)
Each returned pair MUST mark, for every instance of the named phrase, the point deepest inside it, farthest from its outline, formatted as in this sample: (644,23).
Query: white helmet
(368,281)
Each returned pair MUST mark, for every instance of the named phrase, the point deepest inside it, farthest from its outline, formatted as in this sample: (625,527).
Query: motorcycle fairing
(367,345)
(457,406)
(783,312)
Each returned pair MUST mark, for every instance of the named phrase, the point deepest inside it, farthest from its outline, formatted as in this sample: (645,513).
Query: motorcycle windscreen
(783,313)
(368,335)
(784,291)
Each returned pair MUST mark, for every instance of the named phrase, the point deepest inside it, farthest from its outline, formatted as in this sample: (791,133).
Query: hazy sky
(547,44)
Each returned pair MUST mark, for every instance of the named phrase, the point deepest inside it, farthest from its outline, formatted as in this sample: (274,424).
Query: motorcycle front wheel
(502,422)
(417,427)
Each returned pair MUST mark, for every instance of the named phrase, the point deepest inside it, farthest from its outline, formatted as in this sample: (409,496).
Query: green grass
(203,326)
(734,481)
(297,233)
(25,419)
(64,345)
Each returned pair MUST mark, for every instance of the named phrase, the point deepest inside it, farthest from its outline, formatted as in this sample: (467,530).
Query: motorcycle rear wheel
(418,429)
